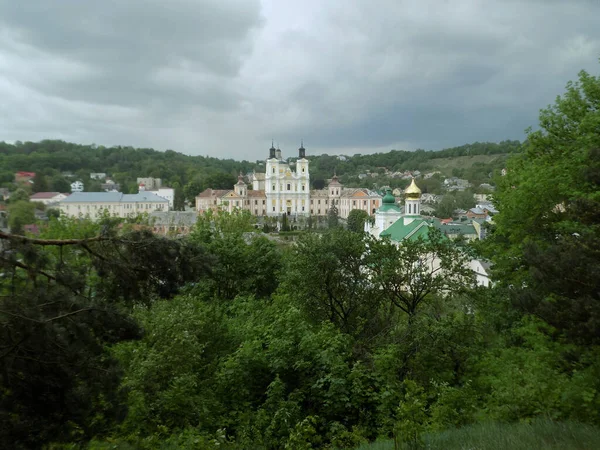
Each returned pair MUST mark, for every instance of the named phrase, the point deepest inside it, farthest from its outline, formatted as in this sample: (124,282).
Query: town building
(166,193)
(48,198)
(22,177)
(77,186)
(150,183)
(97,175)
(286,190)
(116,204)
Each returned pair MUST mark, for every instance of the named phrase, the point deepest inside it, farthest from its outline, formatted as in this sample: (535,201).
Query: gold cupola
(412,191)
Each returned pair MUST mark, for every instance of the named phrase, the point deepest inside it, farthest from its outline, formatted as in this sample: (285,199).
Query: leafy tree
(547,236)
(19,195)
(410,273)
(356,220)
(20,213)
(332,217)
(327,275)
(40,183)
(60,184)
(179,199)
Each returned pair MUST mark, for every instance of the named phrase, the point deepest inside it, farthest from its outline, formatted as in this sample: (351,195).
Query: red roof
(256,193)
(26,174)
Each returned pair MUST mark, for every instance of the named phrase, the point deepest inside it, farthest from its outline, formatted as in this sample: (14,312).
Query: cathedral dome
(412,191)
(388,198)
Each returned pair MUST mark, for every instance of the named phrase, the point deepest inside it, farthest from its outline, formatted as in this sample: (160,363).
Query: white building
(151,184)
(77,186)
(116,204)
(287,191)
(166,193)
(282,190)
(47,198)
(97,175)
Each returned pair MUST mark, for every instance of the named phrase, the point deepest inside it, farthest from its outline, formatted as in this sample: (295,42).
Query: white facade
(116,204)
(77,186)
(166,193)
(287,191)
(47,198)
(97,175)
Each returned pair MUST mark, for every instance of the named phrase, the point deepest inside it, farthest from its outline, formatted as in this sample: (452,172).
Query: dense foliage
(111,337)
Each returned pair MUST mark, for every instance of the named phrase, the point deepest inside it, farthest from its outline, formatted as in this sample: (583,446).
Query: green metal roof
(415,229)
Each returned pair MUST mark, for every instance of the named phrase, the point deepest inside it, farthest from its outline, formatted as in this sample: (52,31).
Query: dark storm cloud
(225,76)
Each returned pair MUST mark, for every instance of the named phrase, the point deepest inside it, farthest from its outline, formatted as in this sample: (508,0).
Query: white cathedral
(281,190)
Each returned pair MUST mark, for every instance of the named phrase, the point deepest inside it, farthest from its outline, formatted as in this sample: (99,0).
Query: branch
(56,242)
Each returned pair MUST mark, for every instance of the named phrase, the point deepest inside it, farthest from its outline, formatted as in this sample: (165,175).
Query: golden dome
(413,190)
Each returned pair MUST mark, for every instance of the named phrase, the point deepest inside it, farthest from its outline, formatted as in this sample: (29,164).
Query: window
(263,202)
(273,187)
(325,201)
(319,211)
(256,202)
(353,202)
(364,203)
(303,170)
(319,202)
(273,169)
(303,209)
(302,187)
(273,209)
(289,187)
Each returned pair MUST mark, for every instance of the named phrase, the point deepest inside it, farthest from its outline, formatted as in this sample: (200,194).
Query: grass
(540,434)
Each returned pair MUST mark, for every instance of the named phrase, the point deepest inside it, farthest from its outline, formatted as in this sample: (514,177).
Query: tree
(546,241)
(179,199)
(332,217)
(40,183)
(415,270)
(356,220)
(60,184)
(328,277)
(20,213)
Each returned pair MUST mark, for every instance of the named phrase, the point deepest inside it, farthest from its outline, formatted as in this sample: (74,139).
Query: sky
(225,77)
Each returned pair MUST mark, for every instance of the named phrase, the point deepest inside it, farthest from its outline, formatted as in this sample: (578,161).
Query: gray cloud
(222,77)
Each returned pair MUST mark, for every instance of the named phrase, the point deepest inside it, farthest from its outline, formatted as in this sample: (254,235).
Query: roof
(398,231)
(142,197)
(454,227)
(187,218)
(257,193)
(213,192)
(43,195)
(477,210)
(93,197)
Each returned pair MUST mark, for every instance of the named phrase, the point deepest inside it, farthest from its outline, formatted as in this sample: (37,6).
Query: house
(476,213)
(487,187)
(481,269)
(77,186)
(166,193)
(47,198)
(24,177)
(169,223)
(116,204)
(110,186)
(150,183)
(430,198)
(97,175)
(4,194)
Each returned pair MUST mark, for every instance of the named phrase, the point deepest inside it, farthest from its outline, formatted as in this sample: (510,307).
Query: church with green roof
(397,224)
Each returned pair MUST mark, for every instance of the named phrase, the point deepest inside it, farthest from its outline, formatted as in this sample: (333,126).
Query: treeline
(53,159)
(323,166)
